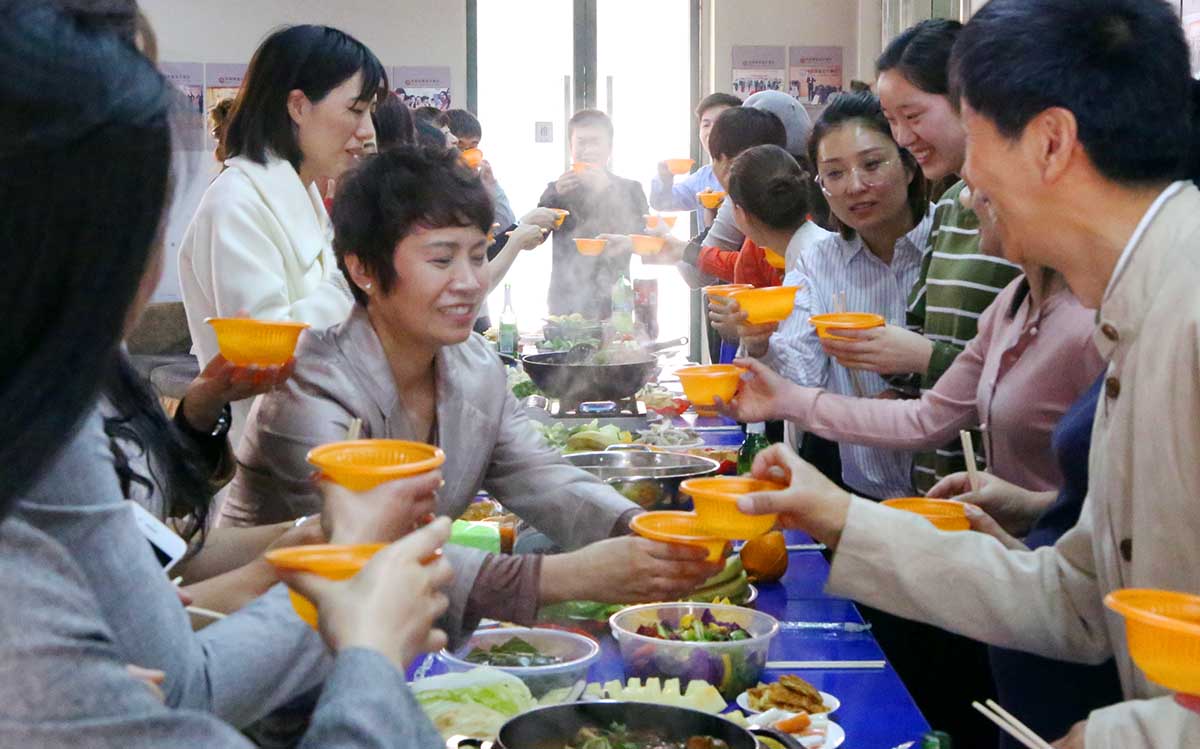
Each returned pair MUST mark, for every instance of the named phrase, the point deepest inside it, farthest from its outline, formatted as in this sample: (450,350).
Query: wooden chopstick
(969,453)
(826,665)
(207,613)
(1016,728)
(354,430)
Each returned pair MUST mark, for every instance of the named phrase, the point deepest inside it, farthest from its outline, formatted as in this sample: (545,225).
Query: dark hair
(922,55)
(431,116)
(586,117)
(312,59)
(464,124)
(184,485)
(864,107)
(382,200)
(744,127)
(427,135)
(1121,67)
(83,181)
(771,186)
(718,99)
(393,123)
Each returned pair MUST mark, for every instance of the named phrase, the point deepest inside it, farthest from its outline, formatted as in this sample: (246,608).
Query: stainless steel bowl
(649,479)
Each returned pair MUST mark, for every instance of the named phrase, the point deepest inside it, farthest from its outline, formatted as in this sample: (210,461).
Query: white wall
(854,25)
(400,32)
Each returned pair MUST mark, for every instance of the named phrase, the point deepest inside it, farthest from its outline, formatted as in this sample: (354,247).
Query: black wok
(555,726)
(577,383)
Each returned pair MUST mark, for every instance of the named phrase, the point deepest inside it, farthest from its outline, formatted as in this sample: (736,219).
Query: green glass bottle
(509,338)
(756,441)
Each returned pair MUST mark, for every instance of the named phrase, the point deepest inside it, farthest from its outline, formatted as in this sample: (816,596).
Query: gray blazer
(342,373)
(63,681)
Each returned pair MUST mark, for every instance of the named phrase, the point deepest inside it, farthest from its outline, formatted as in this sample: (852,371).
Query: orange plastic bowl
(845,321)
(726,290)
(710,199)
(715,499)
(579,167)
(360,465)
(704,384)
(472,157)
(644,244)
(265,343)
(680,166)
(653,221)
(590,246)
(562,216)
(675,527)
(774,259)
(1163,630)
(327,560)
(945,514)
(768,304)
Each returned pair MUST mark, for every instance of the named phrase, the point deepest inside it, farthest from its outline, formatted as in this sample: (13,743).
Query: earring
(367,286)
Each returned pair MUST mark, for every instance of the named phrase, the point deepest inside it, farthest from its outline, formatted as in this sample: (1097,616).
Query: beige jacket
(1140,525)
(342,373)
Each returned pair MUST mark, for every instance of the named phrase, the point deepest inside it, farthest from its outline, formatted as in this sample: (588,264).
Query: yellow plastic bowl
(579,167)
(330,561)
(768,304)
(653,221)
(265,343)
(845,321)
(562,216)
(590,246)
(774,259)
(726,290)
(675,527)
(715,499)
(360,465)
(644,244)
(680,166)
(710,200)
(704,384)
(1163,630)
(472,157)
(945,514)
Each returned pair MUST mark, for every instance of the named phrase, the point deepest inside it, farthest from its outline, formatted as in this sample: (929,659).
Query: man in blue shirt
(665,193)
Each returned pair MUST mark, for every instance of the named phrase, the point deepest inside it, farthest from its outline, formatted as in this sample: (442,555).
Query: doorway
(536,64)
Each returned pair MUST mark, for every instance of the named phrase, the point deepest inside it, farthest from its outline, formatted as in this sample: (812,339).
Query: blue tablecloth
(877,711)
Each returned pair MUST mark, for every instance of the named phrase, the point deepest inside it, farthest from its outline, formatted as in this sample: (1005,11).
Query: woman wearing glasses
(877,195)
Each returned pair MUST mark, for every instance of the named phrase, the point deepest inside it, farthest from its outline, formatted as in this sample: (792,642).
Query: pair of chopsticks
(1013,727)
(839,306)
(825,665)
(198,611)
(968,446)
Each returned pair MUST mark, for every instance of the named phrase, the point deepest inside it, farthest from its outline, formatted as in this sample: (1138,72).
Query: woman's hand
(1074,739)
(722,313)
(223,382)
(307,533)
(1014,508)
(762,396)
(887,350)
(811,502)
(151,677)
(379,515)
(628,569)
(981,522)
(527,236)
(391,605)
(756,338)
(543,217)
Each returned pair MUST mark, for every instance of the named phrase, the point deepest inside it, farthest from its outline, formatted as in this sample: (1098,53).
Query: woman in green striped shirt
(957,281)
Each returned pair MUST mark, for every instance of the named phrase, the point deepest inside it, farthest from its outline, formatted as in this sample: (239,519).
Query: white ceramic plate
(835,736)
(831,702)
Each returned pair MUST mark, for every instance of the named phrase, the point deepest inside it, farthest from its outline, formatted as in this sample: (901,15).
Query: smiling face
(441,280)
(707,118)
(863,176)
(924,123)
(591,144)
(332,132)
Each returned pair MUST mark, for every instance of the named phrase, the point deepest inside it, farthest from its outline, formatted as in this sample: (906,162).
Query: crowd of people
(1029,243)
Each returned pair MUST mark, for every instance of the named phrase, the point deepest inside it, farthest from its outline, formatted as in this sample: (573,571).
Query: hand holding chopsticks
(969,453)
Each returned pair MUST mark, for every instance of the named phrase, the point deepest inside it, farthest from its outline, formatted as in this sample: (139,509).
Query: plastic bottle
(756,441)
(622,306)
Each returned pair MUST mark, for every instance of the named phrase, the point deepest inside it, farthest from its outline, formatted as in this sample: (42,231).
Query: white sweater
(259,245)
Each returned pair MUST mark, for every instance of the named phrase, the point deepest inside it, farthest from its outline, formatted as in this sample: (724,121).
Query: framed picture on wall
(1191,27)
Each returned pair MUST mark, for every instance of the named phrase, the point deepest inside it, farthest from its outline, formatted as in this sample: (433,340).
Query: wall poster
(189,119)
(814,73)
(757,69)
(422,86)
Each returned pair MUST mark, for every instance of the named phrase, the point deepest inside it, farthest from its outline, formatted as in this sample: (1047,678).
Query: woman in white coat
(259,244)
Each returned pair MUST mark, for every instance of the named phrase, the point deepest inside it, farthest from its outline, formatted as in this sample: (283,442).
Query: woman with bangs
(259,244)
(411,235)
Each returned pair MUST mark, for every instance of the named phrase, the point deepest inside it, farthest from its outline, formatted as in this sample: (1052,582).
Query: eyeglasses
(874,173)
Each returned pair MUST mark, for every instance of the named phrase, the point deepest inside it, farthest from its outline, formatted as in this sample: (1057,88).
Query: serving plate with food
(809,731)
(791,694)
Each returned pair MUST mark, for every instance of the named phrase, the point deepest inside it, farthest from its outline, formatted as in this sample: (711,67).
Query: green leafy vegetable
(514,653)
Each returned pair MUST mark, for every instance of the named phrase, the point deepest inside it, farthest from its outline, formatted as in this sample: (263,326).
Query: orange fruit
(765,558)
